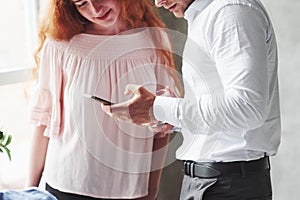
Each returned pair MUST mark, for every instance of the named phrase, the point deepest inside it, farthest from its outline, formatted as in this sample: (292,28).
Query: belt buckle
(201,170)
(189,168)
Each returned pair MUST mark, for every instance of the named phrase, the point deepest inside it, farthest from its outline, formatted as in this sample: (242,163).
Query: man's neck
(188,5)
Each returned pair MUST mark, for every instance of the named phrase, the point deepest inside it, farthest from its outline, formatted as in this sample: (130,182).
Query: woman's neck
(96,30)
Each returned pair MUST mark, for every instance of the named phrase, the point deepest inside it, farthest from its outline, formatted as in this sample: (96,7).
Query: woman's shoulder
(79,44)
(56,44)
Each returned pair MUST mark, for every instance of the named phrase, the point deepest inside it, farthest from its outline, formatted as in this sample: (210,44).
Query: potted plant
(5,140)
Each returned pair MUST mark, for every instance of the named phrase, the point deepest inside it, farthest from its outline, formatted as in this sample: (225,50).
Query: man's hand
(137,110)
(161,130)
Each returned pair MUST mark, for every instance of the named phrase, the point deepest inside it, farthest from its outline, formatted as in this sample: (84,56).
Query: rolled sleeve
(166,109)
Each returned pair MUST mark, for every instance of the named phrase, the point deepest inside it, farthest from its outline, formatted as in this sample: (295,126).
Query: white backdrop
(285,169)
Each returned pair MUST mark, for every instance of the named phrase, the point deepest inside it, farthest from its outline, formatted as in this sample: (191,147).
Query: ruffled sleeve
(45,105)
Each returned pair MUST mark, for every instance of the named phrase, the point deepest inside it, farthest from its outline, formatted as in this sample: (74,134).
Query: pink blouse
(89,153)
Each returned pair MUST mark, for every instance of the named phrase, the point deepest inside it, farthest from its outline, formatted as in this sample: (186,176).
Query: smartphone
(164,123)
(105,102)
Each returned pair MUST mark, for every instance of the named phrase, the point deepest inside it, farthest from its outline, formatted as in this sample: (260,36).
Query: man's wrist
(165,109)
(151,113)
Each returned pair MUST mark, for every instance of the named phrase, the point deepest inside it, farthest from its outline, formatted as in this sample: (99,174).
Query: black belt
(216,169)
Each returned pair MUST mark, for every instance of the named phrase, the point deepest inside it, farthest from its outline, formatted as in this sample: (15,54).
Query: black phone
(105,102)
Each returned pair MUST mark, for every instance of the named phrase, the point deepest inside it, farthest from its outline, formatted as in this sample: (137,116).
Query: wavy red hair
(62,21)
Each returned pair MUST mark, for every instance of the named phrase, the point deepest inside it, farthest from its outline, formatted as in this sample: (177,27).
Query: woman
(96,47)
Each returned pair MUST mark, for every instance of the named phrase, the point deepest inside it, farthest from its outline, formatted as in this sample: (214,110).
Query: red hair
(62,21)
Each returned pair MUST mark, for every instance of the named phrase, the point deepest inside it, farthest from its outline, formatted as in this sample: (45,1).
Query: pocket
(194,188)
(222,185)
(261,186)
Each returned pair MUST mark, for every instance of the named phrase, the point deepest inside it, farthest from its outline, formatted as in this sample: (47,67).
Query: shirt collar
(196,7)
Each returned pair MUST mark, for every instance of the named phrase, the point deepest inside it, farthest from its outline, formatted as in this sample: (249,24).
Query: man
(229,116)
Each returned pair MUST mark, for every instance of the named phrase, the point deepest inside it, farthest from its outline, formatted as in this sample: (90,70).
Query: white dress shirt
(230,110)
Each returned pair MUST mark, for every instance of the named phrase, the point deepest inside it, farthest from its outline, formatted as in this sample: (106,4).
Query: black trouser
(69,196)
(239,181)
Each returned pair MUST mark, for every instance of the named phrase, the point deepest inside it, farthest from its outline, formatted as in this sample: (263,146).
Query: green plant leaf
(8,152)
(8,141)
(3,138)
(1,134)
(4,142)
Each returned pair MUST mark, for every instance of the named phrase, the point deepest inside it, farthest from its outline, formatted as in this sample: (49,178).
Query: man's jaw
(171,8)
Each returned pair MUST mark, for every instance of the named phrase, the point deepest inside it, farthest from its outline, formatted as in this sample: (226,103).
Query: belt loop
(268,163)
(185,167)
(243,169)
(188,171)
(192,169)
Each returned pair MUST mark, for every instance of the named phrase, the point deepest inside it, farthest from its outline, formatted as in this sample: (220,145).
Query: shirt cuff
(166,109)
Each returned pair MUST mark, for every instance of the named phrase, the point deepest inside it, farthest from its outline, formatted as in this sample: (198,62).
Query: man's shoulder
(217,5)
(227,8)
